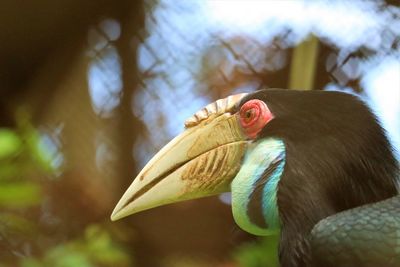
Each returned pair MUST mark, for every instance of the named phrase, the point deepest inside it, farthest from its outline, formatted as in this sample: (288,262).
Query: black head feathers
(337,157)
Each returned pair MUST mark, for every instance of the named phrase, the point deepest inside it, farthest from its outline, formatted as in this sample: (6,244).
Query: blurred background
(90,90)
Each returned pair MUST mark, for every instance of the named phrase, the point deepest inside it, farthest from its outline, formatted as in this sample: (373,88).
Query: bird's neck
(254,189)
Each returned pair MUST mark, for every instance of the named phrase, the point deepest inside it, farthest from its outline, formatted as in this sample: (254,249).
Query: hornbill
(314,166)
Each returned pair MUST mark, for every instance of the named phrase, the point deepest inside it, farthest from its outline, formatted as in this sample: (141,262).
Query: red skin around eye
(253,116)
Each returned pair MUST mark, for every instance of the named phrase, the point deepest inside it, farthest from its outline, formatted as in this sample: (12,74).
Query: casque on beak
(201,161)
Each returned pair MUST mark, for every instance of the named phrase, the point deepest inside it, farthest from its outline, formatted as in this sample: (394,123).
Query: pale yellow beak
(202,161)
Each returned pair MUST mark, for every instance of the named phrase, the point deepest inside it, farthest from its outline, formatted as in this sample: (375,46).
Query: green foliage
(16,222)
(179,260)
(15,227)
(10,143)
(261,254)
(25,166)
(96,248)
(22,164)
(20,194)
(23,157)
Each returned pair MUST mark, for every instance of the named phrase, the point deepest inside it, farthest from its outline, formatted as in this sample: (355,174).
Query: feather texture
(366,236)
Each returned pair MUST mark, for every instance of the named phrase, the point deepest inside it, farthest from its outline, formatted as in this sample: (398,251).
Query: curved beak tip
(116,217)
(123,210)
(116,214)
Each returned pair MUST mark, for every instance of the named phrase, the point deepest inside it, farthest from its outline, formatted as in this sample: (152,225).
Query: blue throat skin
(254,203)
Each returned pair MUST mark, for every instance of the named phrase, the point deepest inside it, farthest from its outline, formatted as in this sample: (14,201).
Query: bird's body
(315,166)
(365,236)
(337,158)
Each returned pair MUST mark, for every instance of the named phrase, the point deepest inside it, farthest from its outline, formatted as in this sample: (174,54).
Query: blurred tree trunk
(132,21)
(304,64)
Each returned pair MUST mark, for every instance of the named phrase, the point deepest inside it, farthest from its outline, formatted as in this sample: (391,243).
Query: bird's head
(290,158)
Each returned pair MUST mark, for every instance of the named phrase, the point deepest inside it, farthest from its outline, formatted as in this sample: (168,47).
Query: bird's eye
(253,116)
(249,114)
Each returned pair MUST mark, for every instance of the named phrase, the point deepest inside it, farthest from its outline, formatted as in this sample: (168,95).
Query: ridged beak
(202,161)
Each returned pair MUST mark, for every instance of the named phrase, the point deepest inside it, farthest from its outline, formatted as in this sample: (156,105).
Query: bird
(316,167)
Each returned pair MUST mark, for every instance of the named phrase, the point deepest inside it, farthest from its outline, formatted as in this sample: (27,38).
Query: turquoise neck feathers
(254,188)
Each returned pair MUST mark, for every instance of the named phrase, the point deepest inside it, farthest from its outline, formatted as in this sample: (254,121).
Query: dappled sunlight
(381,81)
(105,82)
(189,47)
(104,74)
(349,24)
(52,144)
